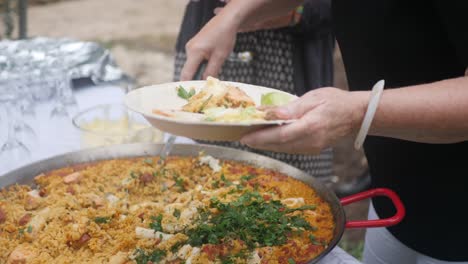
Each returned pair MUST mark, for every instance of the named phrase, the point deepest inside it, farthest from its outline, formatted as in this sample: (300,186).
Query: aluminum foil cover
(76,59)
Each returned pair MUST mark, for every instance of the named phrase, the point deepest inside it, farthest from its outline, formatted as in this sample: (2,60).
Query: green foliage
(354,248)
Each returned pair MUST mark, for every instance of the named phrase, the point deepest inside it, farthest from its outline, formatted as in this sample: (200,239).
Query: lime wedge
(275,99)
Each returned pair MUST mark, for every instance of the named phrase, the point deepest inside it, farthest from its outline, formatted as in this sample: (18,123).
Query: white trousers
(381,247)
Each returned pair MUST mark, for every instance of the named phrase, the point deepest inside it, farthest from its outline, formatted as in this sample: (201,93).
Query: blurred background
(141,36)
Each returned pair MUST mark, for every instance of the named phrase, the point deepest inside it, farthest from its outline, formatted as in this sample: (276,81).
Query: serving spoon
(166,149)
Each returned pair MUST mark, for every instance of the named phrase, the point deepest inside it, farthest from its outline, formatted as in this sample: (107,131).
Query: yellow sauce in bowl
(101,132)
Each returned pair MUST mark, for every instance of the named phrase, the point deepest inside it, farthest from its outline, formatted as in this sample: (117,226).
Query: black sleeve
(316,17)
(454,15)
(313,42)
(197,14)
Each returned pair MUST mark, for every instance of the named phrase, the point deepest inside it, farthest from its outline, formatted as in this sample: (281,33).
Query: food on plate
(275,99)
(188,210)
(184,94)
(222,114)
(217,94)
(221,102)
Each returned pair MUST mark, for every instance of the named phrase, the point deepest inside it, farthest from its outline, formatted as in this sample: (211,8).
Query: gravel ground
(141,35)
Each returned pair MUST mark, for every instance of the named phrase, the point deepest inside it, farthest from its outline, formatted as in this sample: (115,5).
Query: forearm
(246,12)
(430,113)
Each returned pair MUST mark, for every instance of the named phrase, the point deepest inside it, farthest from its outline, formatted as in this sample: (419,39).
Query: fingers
(213,43)
(269,139)
(194,60)
(276,135)
(270,114)
(214,65)
(323,119)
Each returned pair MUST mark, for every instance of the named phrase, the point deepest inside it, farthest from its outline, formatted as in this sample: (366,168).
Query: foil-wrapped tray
(76,59)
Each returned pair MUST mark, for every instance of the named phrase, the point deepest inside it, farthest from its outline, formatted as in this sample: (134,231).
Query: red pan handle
(400,214)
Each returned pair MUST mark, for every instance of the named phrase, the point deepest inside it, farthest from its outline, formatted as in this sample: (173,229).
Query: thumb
(286,112)
(297,108)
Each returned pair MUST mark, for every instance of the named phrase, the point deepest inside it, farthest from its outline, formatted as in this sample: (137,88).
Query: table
(52,143)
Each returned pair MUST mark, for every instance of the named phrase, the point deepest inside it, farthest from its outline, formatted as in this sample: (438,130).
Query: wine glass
(65,104)
(13,152)
(21,109)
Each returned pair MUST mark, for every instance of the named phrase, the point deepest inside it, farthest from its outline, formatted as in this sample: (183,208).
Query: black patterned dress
(294,59)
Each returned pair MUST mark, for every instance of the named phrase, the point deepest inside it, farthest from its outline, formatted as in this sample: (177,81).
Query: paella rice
(187,210)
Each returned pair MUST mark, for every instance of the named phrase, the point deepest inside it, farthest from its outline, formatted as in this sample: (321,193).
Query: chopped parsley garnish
(215,184)
(204,104)
(176,213)
(300,222)
(226,182)
(24,229)
(133,174)
(156,224)
(102,220)
(312,238)
(161,172)
(314,241)
(250,218)
(231,258)
(302,208)
(177,246)
(256,186)
(143,257)
(182,93)
(179,182)
(291,261)
(247,177)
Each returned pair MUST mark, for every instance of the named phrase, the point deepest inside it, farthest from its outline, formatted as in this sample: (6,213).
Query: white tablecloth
(58,137)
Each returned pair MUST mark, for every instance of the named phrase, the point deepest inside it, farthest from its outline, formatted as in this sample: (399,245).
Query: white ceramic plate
(164,97)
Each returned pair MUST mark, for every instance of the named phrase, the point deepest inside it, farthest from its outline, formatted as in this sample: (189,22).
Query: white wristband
(371,109)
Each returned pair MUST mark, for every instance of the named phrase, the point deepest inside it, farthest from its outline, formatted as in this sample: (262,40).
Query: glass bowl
(111,124)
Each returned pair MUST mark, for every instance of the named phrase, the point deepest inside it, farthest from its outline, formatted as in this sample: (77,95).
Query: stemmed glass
(21,109)
(65,104)
(13,151)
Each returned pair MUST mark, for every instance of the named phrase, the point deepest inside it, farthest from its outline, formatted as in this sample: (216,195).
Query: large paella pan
(204,204)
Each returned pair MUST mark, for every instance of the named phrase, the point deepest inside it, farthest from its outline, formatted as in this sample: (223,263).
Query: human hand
(213,43)
(216,40)
(323,117)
